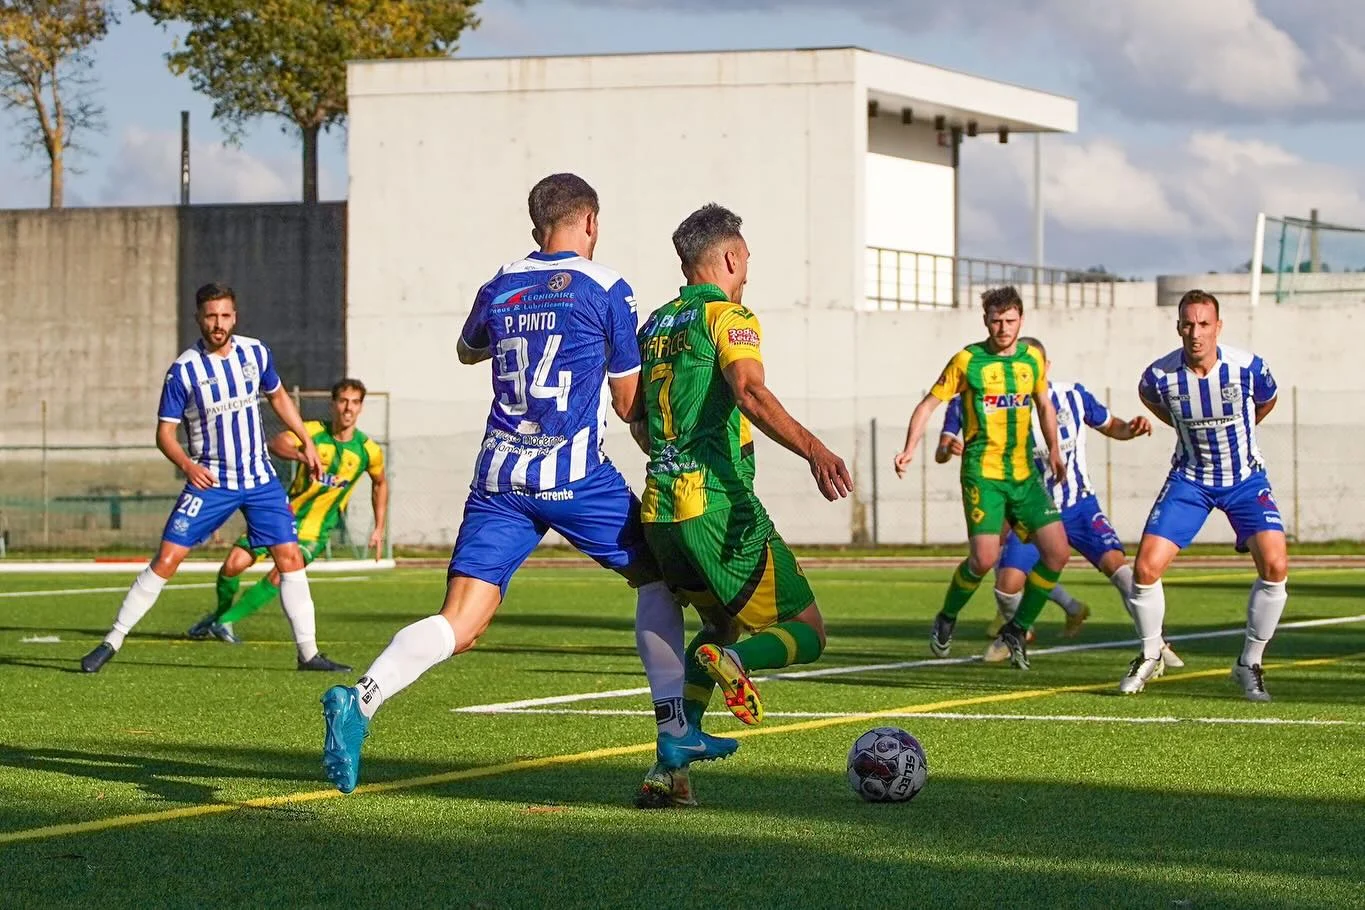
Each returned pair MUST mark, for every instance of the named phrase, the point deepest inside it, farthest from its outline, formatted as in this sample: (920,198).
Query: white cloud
(1145,209)
(146,171)
(1179,60)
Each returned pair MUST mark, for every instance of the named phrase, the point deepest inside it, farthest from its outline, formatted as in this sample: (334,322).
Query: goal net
(1306,261)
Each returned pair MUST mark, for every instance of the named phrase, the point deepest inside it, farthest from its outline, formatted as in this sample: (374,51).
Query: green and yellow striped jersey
(318,503)
(997,408)
(701,450)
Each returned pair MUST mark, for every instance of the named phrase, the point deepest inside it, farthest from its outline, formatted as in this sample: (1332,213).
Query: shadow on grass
(785,840)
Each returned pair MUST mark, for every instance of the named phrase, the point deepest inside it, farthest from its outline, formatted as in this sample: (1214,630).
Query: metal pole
(957,207)
(924,485)
(876,462)
(1279,265)
(184,157)
(1295,443)
(1314,256)
(46,520)
(1037,203)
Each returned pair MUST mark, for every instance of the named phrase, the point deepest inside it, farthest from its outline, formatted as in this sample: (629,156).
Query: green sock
(960,589)
(256,596)
(779,646)
(1041,581)
(697,683)
(227,592)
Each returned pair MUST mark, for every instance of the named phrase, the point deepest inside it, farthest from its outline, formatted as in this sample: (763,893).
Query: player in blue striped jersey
(213,389)
(1213,397)
(559,330)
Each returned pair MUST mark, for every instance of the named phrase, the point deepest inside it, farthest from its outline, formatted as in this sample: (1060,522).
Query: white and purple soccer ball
(887,765)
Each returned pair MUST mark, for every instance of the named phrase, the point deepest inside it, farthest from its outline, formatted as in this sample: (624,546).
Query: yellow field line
(550,761)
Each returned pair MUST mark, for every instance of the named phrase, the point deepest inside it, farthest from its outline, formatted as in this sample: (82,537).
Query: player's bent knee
(811,616)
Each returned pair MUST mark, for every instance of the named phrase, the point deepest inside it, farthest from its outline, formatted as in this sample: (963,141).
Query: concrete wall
(96,303)
(87,306)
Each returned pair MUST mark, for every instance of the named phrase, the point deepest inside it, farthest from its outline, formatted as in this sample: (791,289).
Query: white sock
(1149,612)
(1007,604)
(1062,598)
(1123,580)
(659,641)
(297,600)
(146,588)
(1265,606)
(414,650)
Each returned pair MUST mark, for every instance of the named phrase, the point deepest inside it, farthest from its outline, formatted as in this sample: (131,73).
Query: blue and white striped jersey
(558,326)
(216,398)
(1076,409)
(1214,415)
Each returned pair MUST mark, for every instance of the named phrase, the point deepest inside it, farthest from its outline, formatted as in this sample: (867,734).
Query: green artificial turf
(1199,806)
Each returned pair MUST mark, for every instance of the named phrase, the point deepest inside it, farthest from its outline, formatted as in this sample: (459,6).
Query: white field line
(949,715)
(123,588)
(899,665)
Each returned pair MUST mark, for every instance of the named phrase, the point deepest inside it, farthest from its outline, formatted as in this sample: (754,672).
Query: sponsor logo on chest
(1005,402)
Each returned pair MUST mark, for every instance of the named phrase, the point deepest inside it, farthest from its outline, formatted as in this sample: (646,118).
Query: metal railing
(905,279)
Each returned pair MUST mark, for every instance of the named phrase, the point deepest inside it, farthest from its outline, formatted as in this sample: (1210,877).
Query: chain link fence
(57,497)
(83,498)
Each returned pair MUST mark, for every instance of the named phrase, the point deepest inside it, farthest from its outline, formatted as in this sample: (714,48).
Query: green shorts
(989,505)
(733,560)
(309,548)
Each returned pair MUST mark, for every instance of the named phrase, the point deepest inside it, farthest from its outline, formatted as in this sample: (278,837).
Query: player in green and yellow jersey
(318,504)
(1001,381)
(714,542)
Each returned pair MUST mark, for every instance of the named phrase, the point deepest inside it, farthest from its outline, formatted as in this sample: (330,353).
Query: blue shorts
(1183,505)
(198,513)
(1087,530)
(598,514)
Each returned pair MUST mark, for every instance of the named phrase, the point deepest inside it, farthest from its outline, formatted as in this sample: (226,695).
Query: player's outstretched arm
(1125,430)
(746,379)
(200,477)
(919,421)
(288,413)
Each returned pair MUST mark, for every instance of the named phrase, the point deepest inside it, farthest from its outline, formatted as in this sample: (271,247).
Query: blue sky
(1193,115)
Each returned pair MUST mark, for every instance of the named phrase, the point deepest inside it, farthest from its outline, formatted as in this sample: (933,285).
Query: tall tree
(287,58)
(45,66)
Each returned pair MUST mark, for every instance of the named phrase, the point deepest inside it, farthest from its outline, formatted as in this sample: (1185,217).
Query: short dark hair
(214,291)
(702,230)
(557,198)
(1197,296)
(1034,343)
(1002,299)
(345,384)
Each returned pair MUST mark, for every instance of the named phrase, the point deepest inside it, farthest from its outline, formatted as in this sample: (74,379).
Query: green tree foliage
(45,75)
(287,58)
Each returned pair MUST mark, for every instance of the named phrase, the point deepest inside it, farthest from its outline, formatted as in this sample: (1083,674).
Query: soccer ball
(887,765)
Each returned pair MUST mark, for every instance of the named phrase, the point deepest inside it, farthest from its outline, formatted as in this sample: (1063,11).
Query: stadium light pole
(1037,206)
